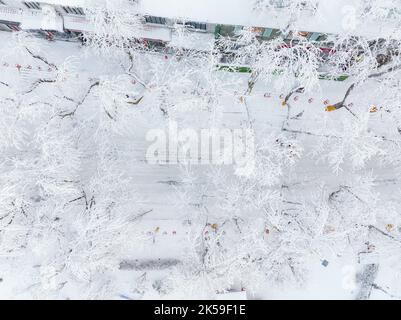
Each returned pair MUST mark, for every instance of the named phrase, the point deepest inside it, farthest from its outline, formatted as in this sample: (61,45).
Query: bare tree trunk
(366,281)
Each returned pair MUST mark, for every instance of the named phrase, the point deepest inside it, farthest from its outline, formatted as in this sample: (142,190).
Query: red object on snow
(18,66)
(328,50)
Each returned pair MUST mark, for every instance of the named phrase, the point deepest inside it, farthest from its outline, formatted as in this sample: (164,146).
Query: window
(269,34)
(9,27)
(316,36)
(32,5)
(73,10)
(298,35)
(155,20)
(195,25)
(257,31)
(304,34)
(228,31)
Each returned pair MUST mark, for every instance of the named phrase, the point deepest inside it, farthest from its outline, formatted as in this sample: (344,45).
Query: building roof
(334,17)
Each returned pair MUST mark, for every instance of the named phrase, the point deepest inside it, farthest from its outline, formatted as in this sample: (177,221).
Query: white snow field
(84,215)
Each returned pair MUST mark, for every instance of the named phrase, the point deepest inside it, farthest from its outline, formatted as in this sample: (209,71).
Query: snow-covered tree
(318,179)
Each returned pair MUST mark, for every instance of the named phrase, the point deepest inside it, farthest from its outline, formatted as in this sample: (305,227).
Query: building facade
(55,20)
(204,21)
